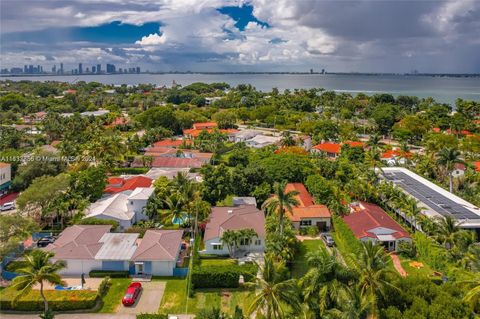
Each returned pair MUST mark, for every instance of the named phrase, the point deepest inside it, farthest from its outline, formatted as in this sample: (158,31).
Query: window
(258,242)
(306,222)
(244,242)
(217,247)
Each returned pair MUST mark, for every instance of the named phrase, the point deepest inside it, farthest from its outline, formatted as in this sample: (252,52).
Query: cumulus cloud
(360,35)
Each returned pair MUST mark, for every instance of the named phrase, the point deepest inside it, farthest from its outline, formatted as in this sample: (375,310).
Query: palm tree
(325,281)
(472,295)
(231,238)
(371,264)
(412,209)
(351,305)
(281,202)
(175,203)
(247,234)
(287,139)
(447,231)
(275,297)
(38,269)
(374,141)
(447,158)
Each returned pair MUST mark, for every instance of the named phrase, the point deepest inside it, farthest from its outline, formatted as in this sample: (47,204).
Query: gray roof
(161,245)
(237,201)
(117,246)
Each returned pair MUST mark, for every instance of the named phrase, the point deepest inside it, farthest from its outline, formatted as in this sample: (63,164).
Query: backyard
(300,266)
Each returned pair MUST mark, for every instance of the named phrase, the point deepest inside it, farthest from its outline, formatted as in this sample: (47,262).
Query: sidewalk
(398,265)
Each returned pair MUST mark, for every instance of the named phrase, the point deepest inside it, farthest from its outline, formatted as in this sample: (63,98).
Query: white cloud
(152,39)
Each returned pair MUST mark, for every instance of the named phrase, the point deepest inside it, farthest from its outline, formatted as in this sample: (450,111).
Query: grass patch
(114,295)
(300,266)
(218,262)
(175,299)
(425,271)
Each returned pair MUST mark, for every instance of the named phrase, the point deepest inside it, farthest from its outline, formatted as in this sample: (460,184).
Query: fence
(180,272)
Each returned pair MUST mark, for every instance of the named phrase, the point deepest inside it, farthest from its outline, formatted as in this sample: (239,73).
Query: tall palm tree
(275,297)
(325,280)
(230,238)
(412,209)
(281,202)
(371,264)
(38,269)
(176,208)
(447,158)
(287,139)
(448,231)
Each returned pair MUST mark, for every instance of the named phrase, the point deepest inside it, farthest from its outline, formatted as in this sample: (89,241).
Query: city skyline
(52,69)
(247,35)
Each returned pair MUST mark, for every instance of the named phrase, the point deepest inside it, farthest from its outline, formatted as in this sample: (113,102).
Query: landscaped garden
(114,295)
(299,266)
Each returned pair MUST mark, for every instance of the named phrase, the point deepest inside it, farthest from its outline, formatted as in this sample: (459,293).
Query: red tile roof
(477,166)
(118,184)
(368,217)
(196,132)
(171,143)
(204,125)
(395,153)
(177,162)
(8,198)
(335,148)
(436,129)
(306,208)
(160,151)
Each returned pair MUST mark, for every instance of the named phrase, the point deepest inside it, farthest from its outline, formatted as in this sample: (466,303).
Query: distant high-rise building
(54,69)
(87,70)
(94,69)
(323,71)
(120,70)
(25,69)
(138,69)
(311,71)
(80,68)
(30,69)
(39,69)
(110,68)
(99,68)
(61,68)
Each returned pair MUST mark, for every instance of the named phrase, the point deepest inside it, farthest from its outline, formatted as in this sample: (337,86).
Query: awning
(139,263)
(386,238)
(216,244)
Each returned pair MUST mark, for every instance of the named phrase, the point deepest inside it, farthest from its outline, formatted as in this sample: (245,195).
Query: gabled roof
(204,125)
(114,206)
(159,245)
(117,246)
(395,153)
(307,207)
(370,220)
(119,184)
(234,218)
(79,242)
(160,151)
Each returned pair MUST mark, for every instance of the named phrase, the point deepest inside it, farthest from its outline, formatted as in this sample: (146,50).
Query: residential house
(158,252)
(5,177)
(173,143)
(126,207)
(243,135)
(260,141)
(234,218)
(93,247)
(121,184)
(211,100)
(370,222)
(394,157)
(332,150)
(307,213)
(206,126)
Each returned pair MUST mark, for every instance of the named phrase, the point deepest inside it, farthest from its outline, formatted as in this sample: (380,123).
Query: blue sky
(244,35)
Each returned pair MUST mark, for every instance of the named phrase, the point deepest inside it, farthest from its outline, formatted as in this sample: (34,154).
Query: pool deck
(91,283)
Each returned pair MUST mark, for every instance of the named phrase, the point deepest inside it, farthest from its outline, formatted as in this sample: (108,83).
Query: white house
(93,247)
(234,218)
(243,135)
(158,252)
(5,177)
(260,141)
(126,207)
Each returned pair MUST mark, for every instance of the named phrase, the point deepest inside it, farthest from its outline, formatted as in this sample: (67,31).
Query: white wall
(251,248)
(124,224)
(78,266)
(296,225)
(163,268)
(5,174)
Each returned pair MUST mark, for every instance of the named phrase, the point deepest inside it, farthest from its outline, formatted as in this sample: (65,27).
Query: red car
(132,293)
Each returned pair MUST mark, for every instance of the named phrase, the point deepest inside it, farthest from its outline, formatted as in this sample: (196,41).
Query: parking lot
(148,301)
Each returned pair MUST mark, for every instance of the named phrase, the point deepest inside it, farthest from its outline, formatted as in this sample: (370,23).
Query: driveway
(149,300)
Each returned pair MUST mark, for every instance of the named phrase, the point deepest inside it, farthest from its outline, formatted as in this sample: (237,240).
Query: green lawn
(175,298)
(218,262)
(115,294)
(425,271)
(300,266)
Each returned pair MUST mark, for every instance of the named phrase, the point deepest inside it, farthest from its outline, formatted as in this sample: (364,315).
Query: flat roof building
(437,201)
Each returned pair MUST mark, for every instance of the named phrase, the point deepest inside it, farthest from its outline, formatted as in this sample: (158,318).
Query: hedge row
(344,237)
(151,316)
(222,276)
(58,300)
(108,273)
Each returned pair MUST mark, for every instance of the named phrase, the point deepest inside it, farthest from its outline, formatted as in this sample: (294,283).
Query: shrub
(130,170)
(215,277)
(312,231)
(104,286)
(344,237)
(429,251)
(57,300)
(98,221)
(108,273)
(407,249)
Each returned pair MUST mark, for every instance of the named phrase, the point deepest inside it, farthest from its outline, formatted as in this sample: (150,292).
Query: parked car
(7,206)
(132,293)
(45,241)
(328,239)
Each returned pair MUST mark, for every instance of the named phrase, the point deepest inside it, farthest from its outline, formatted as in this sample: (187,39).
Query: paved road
(149,300)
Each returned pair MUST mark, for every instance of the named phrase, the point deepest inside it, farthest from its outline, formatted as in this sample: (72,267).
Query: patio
(90,283)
